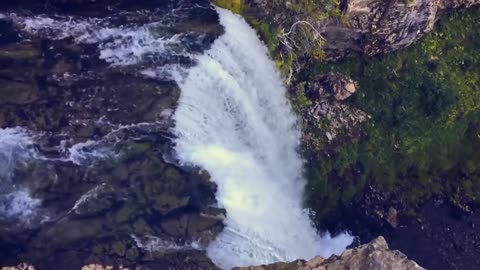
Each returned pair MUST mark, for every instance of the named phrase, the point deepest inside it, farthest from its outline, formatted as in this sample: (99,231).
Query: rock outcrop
(327,117)
(362,27)
(373,256)
(384,26)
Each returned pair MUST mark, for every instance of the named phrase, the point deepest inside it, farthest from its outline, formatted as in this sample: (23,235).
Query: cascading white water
(234,120)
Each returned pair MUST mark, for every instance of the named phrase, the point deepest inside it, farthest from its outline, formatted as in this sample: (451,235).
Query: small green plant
(300,100)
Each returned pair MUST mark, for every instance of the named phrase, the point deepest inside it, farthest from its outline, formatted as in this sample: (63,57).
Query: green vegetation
(307,43)
(317,9)
(300,100)
(267,32)
(236,6)
(424,135)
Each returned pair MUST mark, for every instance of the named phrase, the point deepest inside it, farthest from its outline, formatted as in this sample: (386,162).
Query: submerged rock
(373,256)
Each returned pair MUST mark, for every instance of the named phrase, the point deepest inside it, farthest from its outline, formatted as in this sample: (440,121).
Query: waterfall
(234,121)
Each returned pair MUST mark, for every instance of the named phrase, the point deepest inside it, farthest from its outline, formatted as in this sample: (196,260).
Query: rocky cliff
(383,26)
(362,151)
(351,27)
(373,256)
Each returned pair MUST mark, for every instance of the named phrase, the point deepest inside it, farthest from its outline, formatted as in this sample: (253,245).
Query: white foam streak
(91,194)
(19,205)
(119,46)
(234,121)
(152,243)
(81,153)
(15,146)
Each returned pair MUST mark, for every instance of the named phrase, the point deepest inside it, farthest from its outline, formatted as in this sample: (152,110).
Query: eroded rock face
(383,26)
(373,256)
(328,118)
(365,27)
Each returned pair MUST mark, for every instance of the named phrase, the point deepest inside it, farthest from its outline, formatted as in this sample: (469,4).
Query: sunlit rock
(373,256)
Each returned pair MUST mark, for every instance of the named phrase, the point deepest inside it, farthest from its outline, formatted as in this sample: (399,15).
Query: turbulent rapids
(234,121)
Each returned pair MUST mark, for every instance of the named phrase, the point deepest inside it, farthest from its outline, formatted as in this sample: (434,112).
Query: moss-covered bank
(423,138)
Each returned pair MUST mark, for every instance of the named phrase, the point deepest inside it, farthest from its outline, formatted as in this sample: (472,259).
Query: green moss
(300,100)
(308,45)
(319,9)
(235,6)
(124,214)
(139,148)
(119,248)
(165,203)
(423,135)
(267,32)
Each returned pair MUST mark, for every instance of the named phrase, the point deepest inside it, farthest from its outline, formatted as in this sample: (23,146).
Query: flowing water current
(233,120)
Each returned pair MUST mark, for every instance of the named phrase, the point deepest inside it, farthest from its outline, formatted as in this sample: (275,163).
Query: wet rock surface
(375,255)
(99,166)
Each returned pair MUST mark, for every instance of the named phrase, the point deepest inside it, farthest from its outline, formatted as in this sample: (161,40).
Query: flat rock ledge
(372,256)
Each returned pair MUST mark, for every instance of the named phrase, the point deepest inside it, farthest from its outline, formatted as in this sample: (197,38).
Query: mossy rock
(62,67)
(119,248)
(120,173)
(235,6)
(17,93)
(139,148)
(125,213)
(166,203)
(132,254)
(68,232)
(204,228)
(175,226)
(20,52)
(141,227)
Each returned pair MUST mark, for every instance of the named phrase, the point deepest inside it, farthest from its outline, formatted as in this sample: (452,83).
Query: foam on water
(234,120)
(84,152)
(153,243)
(19,205)
(119,46)
(16,147)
